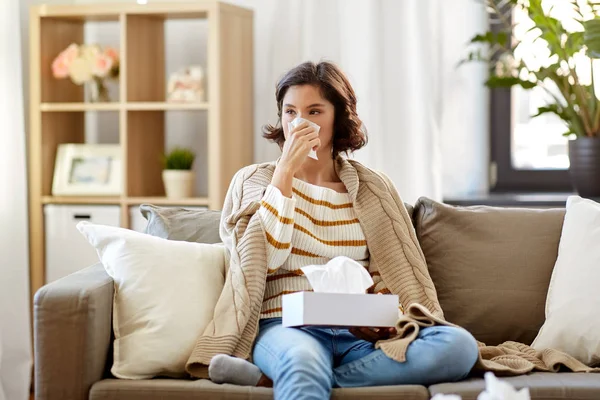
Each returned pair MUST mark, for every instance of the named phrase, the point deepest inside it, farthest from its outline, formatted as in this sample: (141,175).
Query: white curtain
(427,120)
(15,336)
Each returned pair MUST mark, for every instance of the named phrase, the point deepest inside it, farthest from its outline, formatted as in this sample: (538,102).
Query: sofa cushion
(116,389)
(542,386)
(491,266)
(189,225)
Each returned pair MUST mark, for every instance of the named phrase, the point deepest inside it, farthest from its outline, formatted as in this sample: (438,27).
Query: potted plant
(570,97)
(177,175)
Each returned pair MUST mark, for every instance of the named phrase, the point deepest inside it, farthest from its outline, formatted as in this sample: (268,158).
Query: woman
(308,211)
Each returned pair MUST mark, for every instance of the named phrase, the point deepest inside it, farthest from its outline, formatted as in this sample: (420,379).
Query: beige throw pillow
(572,320)
(165,294)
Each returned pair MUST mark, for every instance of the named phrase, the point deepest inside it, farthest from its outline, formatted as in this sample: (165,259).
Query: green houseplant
(177,174)
(571,98)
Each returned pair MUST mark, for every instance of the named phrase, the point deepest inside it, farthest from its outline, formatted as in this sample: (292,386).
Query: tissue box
(339,309)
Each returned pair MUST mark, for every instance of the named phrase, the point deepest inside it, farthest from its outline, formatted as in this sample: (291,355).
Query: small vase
(98,92)
(179,184)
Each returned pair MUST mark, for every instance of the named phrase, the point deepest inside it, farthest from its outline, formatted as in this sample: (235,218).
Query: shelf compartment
(150,62)
(56,34)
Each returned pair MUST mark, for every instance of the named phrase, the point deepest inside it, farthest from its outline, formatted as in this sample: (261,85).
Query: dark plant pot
(584,155)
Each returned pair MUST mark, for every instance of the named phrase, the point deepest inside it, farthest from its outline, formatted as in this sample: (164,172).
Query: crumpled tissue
(297,121)
(495,389)
(340,275)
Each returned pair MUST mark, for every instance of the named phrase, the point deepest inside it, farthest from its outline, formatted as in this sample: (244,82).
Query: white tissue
(495,389)
(340,275)
(297,121)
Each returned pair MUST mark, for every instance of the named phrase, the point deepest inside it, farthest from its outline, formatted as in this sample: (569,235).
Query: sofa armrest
(72,333)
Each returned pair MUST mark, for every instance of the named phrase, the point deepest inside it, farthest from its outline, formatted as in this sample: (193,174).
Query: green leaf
(508,81)
(591,37)
(178,158)
(574,43)
(553,109)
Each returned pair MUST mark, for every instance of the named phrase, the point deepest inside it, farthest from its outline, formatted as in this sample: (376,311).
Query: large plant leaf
(508,81)
(591,37)
(553,109)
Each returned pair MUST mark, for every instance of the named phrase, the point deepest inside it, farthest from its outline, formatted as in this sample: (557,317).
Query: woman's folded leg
(439,354)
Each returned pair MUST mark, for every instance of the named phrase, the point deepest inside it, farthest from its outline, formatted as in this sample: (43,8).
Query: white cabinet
(67,250)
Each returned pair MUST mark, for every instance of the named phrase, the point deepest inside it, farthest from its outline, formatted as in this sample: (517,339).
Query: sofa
(491,267)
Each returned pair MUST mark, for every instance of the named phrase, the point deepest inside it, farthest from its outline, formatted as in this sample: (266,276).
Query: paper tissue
(495,389)
(297,121)
(339,298)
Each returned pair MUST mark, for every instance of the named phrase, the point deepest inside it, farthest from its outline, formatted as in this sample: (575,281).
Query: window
(530,154)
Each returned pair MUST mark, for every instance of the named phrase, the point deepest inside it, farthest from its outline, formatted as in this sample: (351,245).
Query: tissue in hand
(297,121)
(339,298)
(340,275)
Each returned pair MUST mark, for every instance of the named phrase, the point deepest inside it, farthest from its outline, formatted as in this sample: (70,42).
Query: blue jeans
(305,363)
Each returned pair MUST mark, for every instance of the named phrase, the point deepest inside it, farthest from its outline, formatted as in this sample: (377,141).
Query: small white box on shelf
(339,309)
(67,251)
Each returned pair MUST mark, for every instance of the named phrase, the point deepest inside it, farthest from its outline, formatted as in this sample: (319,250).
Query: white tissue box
(340,309)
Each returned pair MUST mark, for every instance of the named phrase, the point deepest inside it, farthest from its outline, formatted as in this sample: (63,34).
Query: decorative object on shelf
(186,85)
(87,169)
(567,74)
(178,176)
(88,64)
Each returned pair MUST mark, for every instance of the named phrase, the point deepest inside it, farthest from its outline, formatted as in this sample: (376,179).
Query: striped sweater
(314,226)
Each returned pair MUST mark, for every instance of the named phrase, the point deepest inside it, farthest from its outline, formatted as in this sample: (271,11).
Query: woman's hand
(373,334)
(300,141)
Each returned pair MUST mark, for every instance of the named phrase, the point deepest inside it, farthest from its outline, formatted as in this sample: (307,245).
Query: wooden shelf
(163,201)
(58,107)
(163,106)
(80,200)
(62,107)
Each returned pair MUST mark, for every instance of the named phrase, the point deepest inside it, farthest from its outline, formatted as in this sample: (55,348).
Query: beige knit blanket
(506,359)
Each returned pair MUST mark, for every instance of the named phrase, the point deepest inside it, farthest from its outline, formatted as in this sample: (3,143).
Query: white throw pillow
(165,294)
(572,319)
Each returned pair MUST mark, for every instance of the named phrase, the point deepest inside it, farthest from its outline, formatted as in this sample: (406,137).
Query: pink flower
(112,53)
(62,62)
(102,65)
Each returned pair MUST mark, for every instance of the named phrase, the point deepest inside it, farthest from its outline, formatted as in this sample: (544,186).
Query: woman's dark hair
(348,132)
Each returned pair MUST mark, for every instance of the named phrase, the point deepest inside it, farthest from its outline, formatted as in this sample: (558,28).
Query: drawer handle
(82,216)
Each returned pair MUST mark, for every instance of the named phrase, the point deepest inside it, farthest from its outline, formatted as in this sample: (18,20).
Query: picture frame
(88,170)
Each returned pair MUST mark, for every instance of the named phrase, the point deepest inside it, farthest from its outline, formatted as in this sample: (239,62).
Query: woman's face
(305,101)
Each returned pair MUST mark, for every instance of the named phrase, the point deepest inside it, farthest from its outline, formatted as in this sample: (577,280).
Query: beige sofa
(491,268)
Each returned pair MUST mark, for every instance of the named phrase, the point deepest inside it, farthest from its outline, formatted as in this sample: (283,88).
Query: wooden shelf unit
(57,107)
